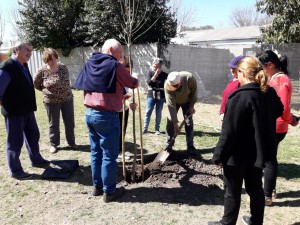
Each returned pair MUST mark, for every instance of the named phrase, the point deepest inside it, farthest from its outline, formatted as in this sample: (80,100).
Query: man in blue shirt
(18,103)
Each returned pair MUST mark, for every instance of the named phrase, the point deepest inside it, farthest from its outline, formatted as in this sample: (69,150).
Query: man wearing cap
(181,92)
(156,96)
(18,103)
(232,85)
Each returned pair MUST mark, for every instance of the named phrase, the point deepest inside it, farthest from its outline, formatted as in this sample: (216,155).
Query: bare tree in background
(185,16)
(248,16)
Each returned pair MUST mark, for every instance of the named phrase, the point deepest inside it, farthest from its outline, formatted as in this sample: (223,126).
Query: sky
(208,12)
(216,12)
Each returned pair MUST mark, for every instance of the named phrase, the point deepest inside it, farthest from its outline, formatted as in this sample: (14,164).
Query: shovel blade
(162,156)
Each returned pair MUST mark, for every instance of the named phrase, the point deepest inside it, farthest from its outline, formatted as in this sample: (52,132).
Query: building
(239,40)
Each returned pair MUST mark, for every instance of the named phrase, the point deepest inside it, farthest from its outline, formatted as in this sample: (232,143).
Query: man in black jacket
(18,103)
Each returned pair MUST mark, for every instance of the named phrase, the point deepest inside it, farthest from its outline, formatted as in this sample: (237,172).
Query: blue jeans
(104,132)
(151,102)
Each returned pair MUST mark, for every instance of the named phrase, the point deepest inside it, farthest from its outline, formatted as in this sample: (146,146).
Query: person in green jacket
(181,92)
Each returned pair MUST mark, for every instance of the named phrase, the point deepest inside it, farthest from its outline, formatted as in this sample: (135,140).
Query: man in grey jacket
(181,92)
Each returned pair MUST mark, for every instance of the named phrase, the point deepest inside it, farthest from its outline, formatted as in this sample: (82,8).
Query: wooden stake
(123,140)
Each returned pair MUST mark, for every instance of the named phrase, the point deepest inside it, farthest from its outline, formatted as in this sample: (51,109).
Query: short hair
(20,45)
(48,54)
(110,43)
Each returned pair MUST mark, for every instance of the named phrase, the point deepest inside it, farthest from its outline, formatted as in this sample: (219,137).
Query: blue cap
(235,61)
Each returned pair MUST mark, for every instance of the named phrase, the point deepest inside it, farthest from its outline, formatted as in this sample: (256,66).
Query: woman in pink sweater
(276,70)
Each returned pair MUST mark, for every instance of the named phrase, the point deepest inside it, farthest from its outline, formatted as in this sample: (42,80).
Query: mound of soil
(186,176)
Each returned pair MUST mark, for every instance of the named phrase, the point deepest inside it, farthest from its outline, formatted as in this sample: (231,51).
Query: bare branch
(185,16)
(148,27)
(247,17)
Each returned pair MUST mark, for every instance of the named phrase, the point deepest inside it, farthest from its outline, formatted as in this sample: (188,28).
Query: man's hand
(191,110)
(133,106)
(127,96)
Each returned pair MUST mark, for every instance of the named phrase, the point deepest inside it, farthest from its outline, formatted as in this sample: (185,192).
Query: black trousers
(188,126)
(271,169)
(233,178)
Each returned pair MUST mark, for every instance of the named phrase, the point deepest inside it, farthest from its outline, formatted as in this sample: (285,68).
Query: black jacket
(19,96)
(157,86)
(247,121)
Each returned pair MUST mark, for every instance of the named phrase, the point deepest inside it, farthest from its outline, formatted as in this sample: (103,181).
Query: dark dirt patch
(180,179)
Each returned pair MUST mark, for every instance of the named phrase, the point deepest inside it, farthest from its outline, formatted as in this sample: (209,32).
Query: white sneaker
(157,132)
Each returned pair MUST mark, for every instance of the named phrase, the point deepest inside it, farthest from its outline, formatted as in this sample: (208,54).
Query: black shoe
(43,164)
(23,176)
(74,146)
(107,197)
(192,151)
(97,191)
(246,220)
(214,223)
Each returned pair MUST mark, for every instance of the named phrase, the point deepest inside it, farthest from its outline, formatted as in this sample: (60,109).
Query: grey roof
(250,32)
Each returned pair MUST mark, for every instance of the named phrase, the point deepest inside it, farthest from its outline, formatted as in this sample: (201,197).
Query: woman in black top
(245,141)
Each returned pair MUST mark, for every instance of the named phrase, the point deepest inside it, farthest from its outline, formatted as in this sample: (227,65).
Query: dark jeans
(271,169)
(233,178)
(19,129)
(126,122)
(189,126)
(67,111)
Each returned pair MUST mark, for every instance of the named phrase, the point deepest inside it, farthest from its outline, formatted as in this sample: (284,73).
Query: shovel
(164,154)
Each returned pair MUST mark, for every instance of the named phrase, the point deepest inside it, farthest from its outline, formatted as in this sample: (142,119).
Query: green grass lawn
(53,199)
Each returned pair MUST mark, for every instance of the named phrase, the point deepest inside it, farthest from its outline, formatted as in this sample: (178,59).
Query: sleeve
(285,92)
(38,80)
(278,106)
(229,130)
(149,76)
(4,82)
(125,78)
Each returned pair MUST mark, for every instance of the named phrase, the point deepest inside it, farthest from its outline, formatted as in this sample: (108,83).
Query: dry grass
(69,202)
